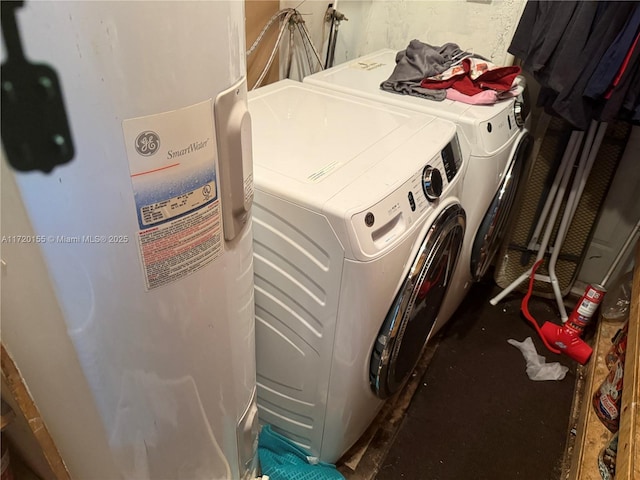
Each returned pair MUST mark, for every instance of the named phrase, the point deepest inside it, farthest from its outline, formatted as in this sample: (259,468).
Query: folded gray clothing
(421,60)
(414,88)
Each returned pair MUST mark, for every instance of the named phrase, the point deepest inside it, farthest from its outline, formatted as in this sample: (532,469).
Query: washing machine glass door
(414,310)
(493,227)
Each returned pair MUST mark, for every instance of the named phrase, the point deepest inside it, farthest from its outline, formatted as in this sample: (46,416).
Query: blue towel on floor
(282,459)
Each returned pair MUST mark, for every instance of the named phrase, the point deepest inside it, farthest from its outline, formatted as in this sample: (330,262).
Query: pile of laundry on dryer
(439,72)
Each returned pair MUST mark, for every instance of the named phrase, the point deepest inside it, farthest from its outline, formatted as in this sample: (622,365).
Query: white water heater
(127,275)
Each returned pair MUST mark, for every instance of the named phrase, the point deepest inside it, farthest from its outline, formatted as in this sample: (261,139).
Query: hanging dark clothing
(574,50)
(571,104)
(561,69)
(539,31)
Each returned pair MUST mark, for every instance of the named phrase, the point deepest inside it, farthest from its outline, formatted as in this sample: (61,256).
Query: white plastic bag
(537,368)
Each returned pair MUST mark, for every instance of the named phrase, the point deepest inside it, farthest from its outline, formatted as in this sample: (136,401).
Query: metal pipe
(621,253)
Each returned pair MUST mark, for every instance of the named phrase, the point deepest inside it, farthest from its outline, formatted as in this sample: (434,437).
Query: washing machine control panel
(381,225)
(431,183)
(452,158)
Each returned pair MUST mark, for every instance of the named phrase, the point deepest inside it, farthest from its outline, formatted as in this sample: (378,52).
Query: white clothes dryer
(357,229)
(494,139)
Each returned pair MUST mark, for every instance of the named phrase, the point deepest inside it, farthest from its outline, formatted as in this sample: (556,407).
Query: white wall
(620,213)
(485,27)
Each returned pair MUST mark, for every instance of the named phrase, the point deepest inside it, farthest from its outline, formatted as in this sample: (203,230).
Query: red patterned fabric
(499,79)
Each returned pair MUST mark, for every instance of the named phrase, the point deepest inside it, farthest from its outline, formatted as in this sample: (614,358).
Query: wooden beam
(627,461)
(29,410)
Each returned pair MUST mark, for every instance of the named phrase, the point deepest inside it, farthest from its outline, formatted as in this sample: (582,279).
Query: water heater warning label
(176,206)
(178,248)
(172,160)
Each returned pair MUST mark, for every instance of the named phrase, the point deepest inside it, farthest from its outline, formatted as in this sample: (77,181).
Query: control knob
(431,183)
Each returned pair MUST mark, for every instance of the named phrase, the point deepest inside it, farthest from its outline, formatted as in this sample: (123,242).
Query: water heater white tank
(127,276)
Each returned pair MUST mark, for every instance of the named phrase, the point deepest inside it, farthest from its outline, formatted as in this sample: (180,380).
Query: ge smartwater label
(175,206)
(172,160)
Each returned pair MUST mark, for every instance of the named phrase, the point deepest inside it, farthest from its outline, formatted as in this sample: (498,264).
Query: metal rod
(331,49)
(290,53)
(564,172)
(589,153)
(574,141)
(623,251)
(329,41)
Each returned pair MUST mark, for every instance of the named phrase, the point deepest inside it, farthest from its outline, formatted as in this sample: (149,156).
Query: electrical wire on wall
(292,19)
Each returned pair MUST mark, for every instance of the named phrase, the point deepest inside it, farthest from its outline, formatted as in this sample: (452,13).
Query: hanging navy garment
(627,87)
(612,60)
(631,105)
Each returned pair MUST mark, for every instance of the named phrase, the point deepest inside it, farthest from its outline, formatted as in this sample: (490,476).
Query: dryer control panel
(452,158)
(382,225)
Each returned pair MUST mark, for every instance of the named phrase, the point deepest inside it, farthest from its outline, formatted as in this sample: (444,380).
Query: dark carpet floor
(476,415)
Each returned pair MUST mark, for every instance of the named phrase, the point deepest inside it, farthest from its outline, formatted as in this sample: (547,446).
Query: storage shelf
(591,434)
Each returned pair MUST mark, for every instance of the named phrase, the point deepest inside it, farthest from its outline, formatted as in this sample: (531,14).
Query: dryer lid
(310,143)
(362,78)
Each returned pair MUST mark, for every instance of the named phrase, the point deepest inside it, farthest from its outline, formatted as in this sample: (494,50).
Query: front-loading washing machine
(494,139)
(357,229)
